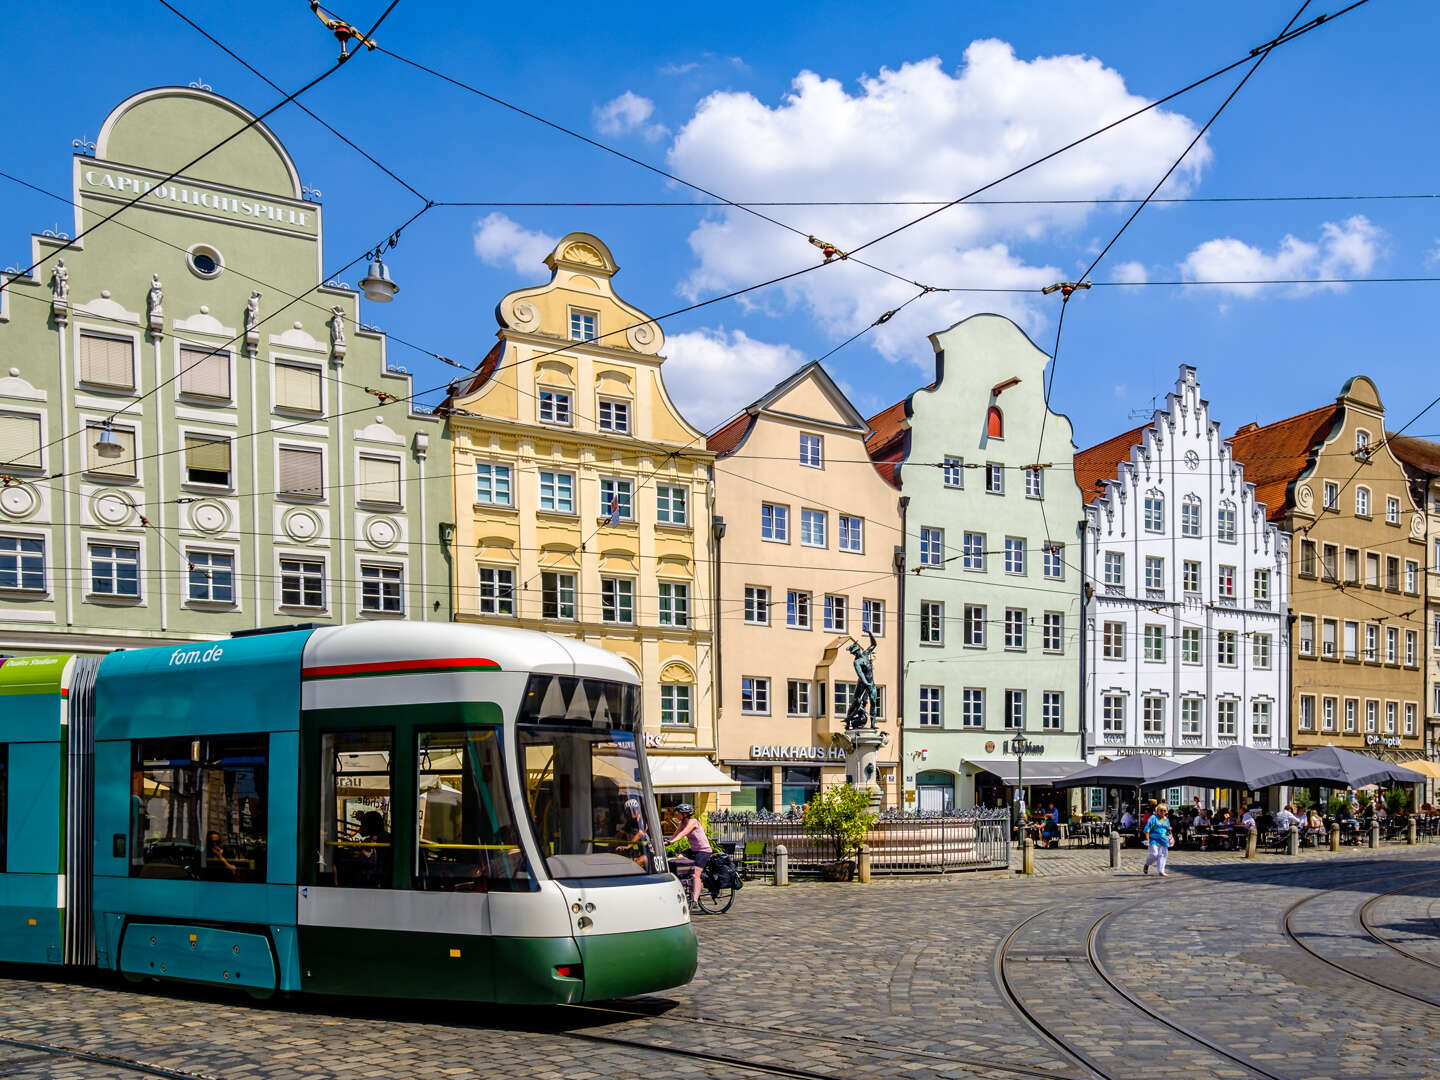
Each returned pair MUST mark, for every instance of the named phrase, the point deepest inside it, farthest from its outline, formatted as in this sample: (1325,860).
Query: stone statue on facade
(337,328)
(252,313)
(155,299)
(866,702)
(59,283)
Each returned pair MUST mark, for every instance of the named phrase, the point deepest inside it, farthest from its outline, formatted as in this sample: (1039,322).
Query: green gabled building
(262,464)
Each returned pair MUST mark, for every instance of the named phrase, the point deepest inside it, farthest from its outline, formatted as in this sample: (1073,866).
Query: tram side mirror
(118,845)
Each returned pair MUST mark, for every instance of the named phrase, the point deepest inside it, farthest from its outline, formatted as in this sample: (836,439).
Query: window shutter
(205,373)
(297,387)
(302,472)
(107,361)
(20,441)
(379,480)
(124,465)
(212,455)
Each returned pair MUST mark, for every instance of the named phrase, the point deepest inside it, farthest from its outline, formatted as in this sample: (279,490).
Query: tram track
(1369,927)
(857,1042)
(50,1051)
(1082,1056)
(1432,1001)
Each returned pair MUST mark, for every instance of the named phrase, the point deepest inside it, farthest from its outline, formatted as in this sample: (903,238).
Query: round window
(205,261)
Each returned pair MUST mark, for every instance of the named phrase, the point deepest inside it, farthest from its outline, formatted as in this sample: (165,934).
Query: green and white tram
(421,810)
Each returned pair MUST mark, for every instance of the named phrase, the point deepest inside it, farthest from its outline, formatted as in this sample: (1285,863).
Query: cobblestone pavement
(900,978)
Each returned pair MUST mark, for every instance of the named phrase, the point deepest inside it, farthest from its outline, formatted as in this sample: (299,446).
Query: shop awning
(1425,768)
(1037,772)
(687,772)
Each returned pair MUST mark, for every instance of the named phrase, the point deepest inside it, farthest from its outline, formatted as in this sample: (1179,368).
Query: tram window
(357,787)
(4,800)
(199,808)
(468,840)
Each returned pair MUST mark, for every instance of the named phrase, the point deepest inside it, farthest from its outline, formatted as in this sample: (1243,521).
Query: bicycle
(719,882)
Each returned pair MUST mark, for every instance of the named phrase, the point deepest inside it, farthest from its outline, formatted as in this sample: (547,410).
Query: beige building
(1330,479)
(1421,459)
(582,502)
(807,564)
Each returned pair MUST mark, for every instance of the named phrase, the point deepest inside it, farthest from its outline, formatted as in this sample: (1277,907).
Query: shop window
(467,837)
(200,808)
(798,785)
(357,783)
(754,793)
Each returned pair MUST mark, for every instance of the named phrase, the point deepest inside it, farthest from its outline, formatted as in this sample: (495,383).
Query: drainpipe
(899,564)
(1085,590)
(717,533)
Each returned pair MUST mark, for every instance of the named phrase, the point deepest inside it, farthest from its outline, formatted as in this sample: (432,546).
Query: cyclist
(631,840)
(700,851)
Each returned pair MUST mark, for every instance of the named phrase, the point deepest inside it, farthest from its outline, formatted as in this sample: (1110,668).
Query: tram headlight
(576,908)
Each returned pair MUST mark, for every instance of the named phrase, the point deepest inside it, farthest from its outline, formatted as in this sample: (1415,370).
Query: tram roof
(508,648)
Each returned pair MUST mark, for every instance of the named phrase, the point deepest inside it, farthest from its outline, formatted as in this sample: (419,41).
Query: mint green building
(991,595)
(180,458)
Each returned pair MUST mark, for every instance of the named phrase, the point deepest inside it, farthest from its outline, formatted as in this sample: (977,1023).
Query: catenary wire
(72,241)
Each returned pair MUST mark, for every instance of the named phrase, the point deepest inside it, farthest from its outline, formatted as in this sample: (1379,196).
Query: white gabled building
(1186,634)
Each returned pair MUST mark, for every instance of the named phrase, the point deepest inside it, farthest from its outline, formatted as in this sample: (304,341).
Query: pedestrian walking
(1157,834)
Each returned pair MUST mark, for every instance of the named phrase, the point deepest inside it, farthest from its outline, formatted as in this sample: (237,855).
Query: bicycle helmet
(685,808)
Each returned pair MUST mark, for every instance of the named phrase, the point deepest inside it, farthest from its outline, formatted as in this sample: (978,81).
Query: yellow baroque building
(583,501)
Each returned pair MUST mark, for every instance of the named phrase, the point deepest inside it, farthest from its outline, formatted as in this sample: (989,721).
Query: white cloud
(1131,273)
(629,113)
(713,373)
(1347,249)
(919,132)
(1122,389)
(500,241)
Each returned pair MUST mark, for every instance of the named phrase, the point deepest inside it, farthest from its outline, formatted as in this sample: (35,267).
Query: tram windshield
(584,781)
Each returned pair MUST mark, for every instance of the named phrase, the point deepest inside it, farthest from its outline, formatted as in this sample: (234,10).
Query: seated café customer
(1249,819)
(1202,819)
(1127,819)
(1287,817)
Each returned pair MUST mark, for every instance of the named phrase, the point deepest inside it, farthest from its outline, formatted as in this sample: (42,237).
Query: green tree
(840,814)
(1396,799)
(1302,800)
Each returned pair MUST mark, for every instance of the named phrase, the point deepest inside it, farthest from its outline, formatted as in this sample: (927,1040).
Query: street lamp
(1019,744)
(107,445)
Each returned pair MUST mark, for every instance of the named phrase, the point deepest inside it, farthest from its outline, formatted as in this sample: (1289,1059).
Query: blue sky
(844,101)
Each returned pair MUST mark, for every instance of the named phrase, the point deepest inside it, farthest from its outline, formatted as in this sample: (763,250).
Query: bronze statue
(866,701)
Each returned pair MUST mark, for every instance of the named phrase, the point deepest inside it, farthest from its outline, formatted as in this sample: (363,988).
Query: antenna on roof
(1146,414)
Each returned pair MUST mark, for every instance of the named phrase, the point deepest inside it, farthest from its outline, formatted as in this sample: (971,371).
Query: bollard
(1292,842)
(864,872)
(1027,857)
(1335,837)
(1410,837)
(1374,835)
(782,865)
(1252,838)
(1114,851)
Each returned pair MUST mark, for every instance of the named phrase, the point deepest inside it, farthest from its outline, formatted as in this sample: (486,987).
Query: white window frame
(278,360)
(29,536)
(556,476)
(674,604)
(1052,558)
(495,467)
(575,321)
(1154,643)
(932,709)
(755,695)
(617,595)
(850,533)
(932,623)
(932,546)
(994,478)
(1191,572)
(1227,718)
(1152,714)
(195,556)
(1153,516)
(304,448)
(376,455)
(560,594)
(682,714)
(836,617)
(872,616)
(1052,710)
(1112,714)
(798,613)
(209,435)
(181,367)
(361,565)
(625,499)
(1052,636)
(490,596)
(757,605)
(1225,523)
(952,471)
(779,522)
(1034,482)
(797,697)
(809,519)
(1392,510)
(618,420)
(559,404)
(974,629)
(1015,625)
(1191,514)
(812,450)
(972,707)
(1192,716)
(1113,569)
(115,540)
(973,552)
(83,329)
(303,576)
(1112,640)
(1015,556)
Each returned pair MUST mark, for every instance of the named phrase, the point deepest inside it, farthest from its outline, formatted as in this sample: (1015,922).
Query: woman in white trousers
(1157,833)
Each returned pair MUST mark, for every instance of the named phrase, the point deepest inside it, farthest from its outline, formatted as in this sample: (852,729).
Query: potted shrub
(842,816)
(1397,799)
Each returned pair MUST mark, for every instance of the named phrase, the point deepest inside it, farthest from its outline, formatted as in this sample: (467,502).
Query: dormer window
(583,325)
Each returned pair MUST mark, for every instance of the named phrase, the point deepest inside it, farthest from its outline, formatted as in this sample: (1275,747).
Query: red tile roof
(730,436)
(1421,454)
(1102,462)
(1275,455)
(886,443)
(466,385)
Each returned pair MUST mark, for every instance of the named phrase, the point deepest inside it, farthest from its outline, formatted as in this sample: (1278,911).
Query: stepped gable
(1102,461)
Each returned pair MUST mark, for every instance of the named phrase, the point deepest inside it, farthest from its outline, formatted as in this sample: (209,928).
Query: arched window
(995,423)
(1190,516)
(1362,502)
(1154,511)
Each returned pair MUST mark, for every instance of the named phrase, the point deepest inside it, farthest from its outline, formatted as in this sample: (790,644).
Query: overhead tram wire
(291,302)
(72,241)
(1067,290)
(300,105)
(742,203)
(1284,39)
